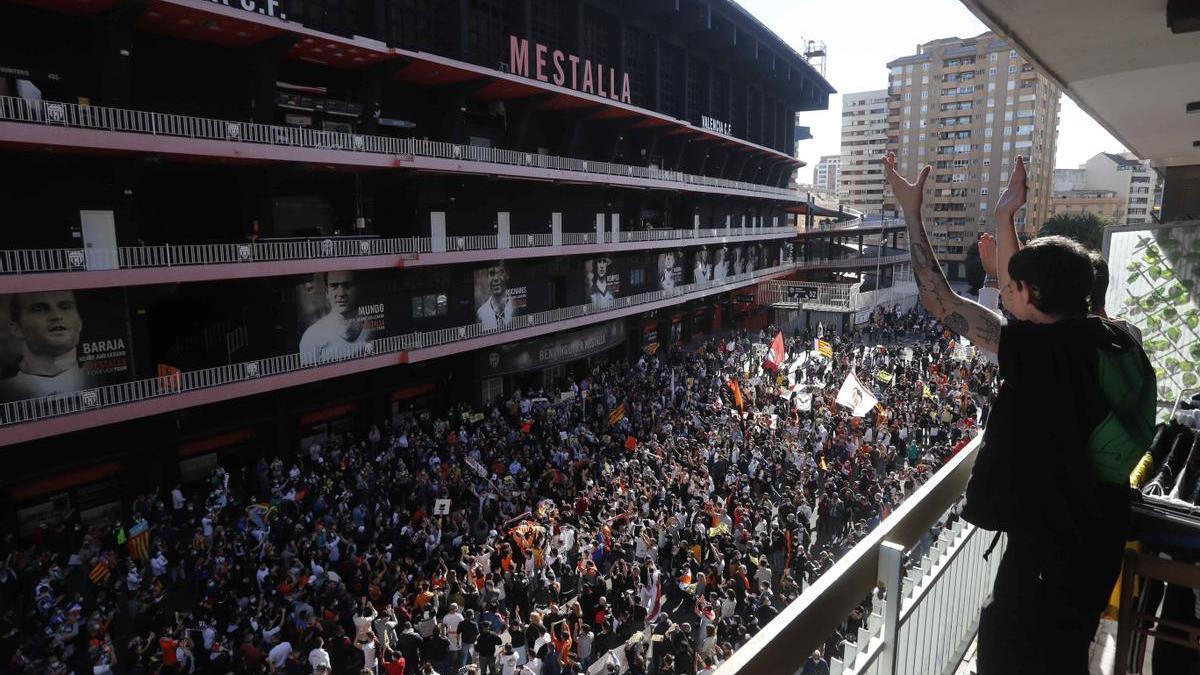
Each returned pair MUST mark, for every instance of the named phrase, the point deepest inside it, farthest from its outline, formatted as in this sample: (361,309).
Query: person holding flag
(776,355)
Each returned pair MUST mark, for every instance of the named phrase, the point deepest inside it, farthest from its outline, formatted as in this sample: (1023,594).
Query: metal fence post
(891,556)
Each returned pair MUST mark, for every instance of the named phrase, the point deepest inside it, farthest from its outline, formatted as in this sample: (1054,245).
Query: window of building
(907,110)
(925,67)
(991,103)
(1008,116)
(924,109)
(985,176)
(896,70)
(908,96)
(960,163)
(991,86)
(958,178)
(923,123)
(908,124)
(908,82)
(987,161)
(924,79)
(1023,144)
(1012,84)
(983,190)
(908,68)
(987,147)
(987,133)
(991,72)
(425,306)
(924,95)
(1025,130)
(1012,69)
(1007,131)
(991,117)
(1012,53)
(993,56)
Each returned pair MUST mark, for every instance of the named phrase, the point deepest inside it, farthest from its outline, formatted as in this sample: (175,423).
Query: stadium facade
(238,226)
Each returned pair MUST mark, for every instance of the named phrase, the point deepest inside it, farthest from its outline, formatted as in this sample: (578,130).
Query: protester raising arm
(967,318)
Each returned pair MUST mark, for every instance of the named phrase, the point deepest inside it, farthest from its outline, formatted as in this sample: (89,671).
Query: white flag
(804,401)
(856,397)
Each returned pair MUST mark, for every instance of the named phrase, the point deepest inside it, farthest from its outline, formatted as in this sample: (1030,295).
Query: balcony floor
(1103,653)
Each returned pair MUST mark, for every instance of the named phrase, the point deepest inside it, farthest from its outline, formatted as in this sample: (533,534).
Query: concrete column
(437,231)
(503,234)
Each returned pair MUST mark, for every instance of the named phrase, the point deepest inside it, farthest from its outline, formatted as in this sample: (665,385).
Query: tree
(1085,228)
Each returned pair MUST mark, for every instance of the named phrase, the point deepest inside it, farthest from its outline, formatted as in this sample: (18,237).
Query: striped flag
(616,415)
(139,541)
(102,570)
(823,348)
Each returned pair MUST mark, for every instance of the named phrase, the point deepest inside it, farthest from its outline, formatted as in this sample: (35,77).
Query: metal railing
(55,113)
(30,410)
(832,297)
(939,603)
(23,261)
(855,262)
(804,625)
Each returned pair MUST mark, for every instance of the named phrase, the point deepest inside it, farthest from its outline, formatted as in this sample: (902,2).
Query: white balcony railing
(941,596)
(22,261)
(926,617)
(73,115)
(30,410)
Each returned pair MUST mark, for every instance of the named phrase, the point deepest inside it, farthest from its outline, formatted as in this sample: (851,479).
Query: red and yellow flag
(617,414)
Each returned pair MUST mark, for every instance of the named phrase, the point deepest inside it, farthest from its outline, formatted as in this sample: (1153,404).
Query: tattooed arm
(967,318)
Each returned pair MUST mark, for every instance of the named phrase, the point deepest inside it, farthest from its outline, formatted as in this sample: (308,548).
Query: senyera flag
(776,354)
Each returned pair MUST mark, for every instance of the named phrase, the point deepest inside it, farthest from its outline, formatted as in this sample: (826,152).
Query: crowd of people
(650,522)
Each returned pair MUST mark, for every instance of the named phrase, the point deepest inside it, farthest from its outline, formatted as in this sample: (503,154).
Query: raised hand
(1014,195)
(910,195)
(987,253)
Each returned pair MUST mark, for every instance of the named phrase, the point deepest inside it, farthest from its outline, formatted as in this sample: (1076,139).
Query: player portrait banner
(530,355)
(62,342)
(497,300)
(602,282)
(337,315)
(856,397)
(670,270)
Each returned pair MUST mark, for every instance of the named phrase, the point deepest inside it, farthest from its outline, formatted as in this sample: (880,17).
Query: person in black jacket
(409,645)
(1074,414)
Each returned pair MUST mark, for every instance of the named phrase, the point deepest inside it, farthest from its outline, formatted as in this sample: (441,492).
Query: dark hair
(1100,283)
(1060,272)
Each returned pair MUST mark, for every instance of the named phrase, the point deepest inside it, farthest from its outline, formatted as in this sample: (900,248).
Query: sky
(861,36)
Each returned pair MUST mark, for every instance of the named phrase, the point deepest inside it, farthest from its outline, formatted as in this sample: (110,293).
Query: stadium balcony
(23,270)
(30,419)
(59,125)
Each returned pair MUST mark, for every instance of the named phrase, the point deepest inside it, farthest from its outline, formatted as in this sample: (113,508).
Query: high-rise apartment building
(969,107)
(864,139)
(1132,179)
(828,174)
(1129,181)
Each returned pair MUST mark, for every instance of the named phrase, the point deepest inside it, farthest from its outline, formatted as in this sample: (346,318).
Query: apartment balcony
(51,124)
(24,270)
(926,599)
(26,420)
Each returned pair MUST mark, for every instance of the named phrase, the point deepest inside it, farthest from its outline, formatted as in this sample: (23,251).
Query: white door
(99,239)
(437,231)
